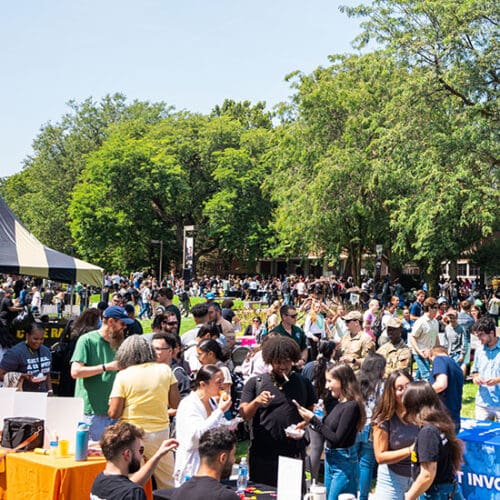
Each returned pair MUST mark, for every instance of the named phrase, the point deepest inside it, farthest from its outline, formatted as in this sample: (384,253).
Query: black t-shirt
(340,426)
(268,425)
(228,314)
(115,487)
(7,316)
(432,446)
(201,488)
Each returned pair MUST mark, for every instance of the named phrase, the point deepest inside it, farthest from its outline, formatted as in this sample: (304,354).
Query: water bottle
(53,445)
(187,473)
(82,442)
(319,409)
(242,481)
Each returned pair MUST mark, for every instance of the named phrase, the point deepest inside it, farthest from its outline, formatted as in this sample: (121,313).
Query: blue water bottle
(82,442)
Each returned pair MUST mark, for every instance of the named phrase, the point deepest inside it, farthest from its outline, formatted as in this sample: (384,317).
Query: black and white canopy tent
(21,253)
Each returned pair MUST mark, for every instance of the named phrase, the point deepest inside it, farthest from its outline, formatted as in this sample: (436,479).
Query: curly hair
(484,324)
(280,348)
(135,350)
(118,437)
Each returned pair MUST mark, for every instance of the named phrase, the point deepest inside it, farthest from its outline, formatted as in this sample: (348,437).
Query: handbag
(22,433)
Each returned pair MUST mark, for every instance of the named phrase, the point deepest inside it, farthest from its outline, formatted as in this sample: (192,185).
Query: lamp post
(160,271)
(378,262)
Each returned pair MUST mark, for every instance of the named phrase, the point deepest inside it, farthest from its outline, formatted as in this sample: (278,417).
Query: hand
(490,382)
(425,354)
(112,366)
(167,445)
(264,398)
(225,403)
(315,339)
(303,412)
(302,425)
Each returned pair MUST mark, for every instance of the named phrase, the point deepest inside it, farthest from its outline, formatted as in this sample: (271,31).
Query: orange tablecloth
(40,477)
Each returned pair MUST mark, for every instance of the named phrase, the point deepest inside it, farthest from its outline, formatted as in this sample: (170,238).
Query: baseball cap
(353,315)
(442,300)
(117,312)
(210,295)
(394,323)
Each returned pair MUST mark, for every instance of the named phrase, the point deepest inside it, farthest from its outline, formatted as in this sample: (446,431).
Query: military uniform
(398,357)
(356,347)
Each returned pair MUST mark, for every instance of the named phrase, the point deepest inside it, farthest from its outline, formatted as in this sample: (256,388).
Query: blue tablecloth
(480,474)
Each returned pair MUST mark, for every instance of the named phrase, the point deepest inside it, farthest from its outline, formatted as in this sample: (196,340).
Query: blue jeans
(367,462)
(442,492)
(423,368)
(97,424)
(390,486)
(341,471)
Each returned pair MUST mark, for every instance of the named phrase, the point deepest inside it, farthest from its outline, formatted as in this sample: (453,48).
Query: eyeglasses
(434,307)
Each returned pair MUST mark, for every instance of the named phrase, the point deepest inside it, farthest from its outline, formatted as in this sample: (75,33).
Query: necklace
(278,383)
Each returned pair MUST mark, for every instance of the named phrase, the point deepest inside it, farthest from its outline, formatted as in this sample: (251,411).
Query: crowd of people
(321,378)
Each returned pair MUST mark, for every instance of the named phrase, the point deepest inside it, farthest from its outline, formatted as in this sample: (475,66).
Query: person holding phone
(339,428)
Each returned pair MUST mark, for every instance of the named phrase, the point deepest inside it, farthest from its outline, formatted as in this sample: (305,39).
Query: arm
(146,471)
(414,345)
(381,448)
(423,481)
(441,383)
(248,410)
(174,396)
(116,406)
(80,370)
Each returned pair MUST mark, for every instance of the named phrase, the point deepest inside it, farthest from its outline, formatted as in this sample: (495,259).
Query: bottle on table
(82,442)
(242,481)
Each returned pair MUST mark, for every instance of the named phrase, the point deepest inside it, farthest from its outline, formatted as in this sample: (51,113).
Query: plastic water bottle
(242,481)
(187,473)
(319,409)
(53,445)
(82,442)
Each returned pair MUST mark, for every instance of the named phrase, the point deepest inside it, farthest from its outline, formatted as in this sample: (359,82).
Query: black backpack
(377,325)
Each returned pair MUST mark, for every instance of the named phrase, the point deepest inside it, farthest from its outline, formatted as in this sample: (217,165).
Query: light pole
(160,242)
(378,262)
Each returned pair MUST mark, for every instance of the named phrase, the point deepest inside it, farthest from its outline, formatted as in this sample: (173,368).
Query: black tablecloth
(253,491)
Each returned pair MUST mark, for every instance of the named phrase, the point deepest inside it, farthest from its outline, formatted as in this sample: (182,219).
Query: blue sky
(191,54)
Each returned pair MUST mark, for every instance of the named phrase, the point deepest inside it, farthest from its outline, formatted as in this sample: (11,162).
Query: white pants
(164,472)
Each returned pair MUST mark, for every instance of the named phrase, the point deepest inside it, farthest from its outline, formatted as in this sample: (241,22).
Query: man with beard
(267,401)
(123,476)
(94,368)
(217,452)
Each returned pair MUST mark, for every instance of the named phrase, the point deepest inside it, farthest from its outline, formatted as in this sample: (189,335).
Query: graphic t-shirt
(24,360)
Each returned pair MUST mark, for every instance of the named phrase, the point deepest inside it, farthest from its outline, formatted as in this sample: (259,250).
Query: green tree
(40,194)
(324,186)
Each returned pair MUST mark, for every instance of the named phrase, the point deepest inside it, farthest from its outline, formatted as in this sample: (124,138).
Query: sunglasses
(171,323)
(292,315)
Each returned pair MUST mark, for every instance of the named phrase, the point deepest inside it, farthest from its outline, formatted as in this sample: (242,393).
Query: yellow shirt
(145,389)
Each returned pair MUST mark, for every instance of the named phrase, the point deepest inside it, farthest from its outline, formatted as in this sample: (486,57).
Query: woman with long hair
(393,438)
(339,428)
(371,383)
(315,371)
(438,453)
(314,328)
(201,410)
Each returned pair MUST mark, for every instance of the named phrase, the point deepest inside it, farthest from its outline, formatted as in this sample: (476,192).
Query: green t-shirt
(297,334)
(92,350)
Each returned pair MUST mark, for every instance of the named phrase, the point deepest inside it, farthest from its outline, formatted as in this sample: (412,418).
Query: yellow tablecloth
(39,477)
